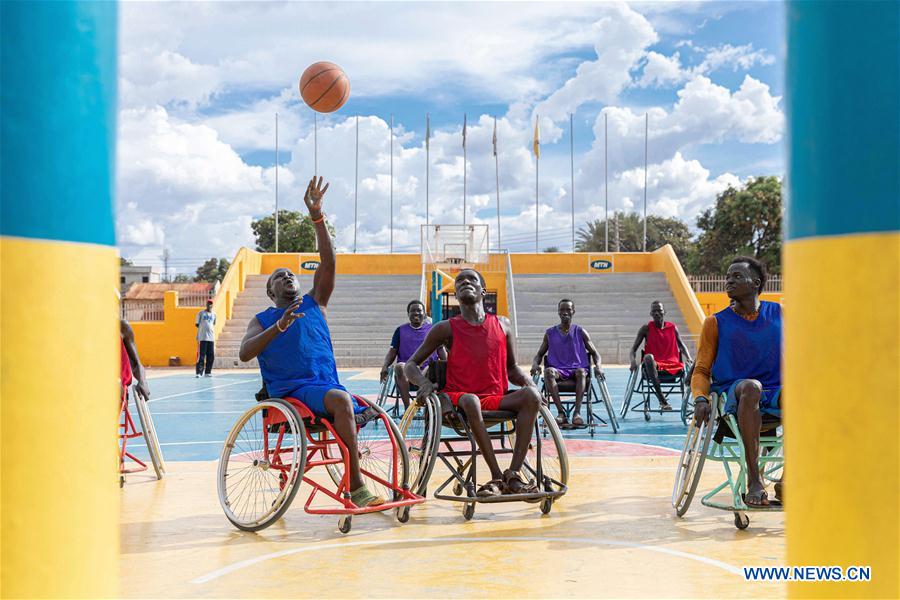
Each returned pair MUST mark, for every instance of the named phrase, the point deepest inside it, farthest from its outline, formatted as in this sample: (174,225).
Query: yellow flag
(537,138)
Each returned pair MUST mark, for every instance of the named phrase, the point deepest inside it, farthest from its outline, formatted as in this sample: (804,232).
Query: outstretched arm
(439,335)
(516,375)
(539,357)
(256,339)
(323,280)
(641,336)
(137,369)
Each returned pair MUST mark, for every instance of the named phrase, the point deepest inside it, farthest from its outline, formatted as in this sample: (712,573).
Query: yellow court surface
(613,535)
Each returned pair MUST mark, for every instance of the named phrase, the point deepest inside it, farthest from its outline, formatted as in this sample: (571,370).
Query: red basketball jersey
(477,360)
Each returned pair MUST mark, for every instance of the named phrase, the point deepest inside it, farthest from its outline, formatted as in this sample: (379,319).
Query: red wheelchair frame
(321,443)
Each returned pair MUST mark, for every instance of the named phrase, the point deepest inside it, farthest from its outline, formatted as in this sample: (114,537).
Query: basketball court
(614,534)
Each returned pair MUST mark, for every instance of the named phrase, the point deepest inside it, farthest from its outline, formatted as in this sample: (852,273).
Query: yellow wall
(176,335)
(713,302)
(664,260)
(579,262)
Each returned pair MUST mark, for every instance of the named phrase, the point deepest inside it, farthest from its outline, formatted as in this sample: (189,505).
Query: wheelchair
(436,430)
(128,430)
(389,396)
(595,392)
(721,431)
(639,383)
(274,445)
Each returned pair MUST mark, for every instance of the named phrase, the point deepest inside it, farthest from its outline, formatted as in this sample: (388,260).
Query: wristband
(319,220)
(701,399)
(278,327)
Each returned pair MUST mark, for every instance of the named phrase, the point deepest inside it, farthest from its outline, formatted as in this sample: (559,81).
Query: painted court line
(318,547)
(214,387)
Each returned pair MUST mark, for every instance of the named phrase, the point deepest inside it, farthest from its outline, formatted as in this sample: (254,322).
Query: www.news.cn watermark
(810,573)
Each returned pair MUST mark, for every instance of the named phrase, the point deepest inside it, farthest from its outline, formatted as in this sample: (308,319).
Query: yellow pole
(842,305)
(60,346)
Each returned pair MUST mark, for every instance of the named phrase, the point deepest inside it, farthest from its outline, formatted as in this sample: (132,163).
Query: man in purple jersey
(567,347)
(406,339)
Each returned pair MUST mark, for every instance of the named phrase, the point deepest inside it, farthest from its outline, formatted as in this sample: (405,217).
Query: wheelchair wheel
(468,510)
(261,465)
(421,429)
(376,456)
(687,404)
(772,472)
(690,464)
(385,388)
(554,458)
(149,430)
(345,523)
(629,391)
(741,520)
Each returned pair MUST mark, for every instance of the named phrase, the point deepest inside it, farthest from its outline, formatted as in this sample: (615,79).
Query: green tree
(747,222)
(551,249)
(660,231)
(296,232)
(124,262)
(182,278)
(212,270)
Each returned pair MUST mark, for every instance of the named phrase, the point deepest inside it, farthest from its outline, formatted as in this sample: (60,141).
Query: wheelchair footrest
(534,497)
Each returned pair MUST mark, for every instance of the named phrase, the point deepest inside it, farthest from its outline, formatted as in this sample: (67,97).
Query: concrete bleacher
(611,307)
(363,312)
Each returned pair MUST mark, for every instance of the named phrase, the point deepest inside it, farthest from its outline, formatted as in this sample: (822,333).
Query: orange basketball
(324,87)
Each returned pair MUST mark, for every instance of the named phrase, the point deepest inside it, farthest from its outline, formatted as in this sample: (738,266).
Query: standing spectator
(206,336)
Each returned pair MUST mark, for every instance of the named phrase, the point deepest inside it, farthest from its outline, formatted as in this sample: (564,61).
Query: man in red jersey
(481,363)
(663,351)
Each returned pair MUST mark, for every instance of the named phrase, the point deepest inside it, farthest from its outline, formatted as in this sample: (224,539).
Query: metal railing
(194,298)
(706,283)
(150,310)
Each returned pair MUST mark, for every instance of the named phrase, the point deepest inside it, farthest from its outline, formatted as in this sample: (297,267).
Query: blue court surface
(193,416)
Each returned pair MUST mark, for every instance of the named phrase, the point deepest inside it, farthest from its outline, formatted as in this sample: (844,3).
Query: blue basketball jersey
(748,349)
(301,356)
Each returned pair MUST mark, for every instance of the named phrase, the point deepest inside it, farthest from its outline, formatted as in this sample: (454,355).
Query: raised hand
(313,197)
(289,315)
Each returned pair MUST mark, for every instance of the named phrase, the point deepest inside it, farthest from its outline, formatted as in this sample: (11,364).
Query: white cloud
(621,37)
(223,70)
(661,70)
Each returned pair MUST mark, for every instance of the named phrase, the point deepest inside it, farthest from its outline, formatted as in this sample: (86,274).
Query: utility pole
(165,257)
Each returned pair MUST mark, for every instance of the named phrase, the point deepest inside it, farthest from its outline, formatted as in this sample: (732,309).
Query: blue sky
(199,86)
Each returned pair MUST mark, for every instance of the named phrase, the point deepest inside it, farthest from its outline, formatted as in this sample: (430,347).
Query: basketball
(324,87)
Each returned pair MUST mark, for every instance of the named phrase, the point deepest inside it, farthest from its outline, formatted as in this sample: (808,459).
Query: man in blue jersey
(293,344)
(740,356)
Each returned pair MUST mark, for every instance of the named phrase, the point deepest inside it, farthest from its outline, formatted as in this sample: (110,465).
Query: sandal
(665,406)
(756,499)
(490,489)
(577,422)
(562,422)
(363,498)
(514,484)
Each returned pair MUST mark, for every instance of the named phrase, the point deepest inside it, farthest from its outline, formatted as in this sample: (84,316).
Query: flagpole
(606,176)
(646,128)
(392,184)
(537,216)
(427,152)
(465,168)
(356,187)
(497,172)
(276,182)
(572,171)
